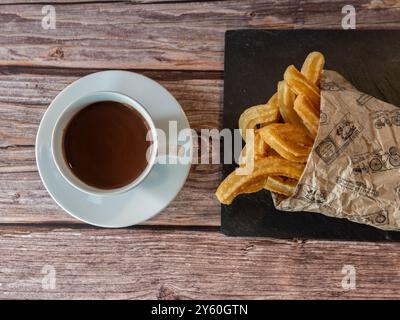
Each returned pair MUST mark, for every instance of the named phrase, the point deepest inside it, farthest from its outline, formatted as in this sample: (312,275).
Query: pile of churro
(279,135)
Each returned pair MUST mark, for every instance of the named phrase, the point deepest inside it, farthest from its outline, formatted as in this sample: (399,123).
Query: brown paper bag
(353,171)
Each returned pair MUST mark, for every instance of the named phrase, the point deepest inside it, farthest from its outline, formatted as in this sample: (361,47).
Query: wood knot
(16,196)
(159,59)
(300,243)
(57,53)
(166,293)
(248,248)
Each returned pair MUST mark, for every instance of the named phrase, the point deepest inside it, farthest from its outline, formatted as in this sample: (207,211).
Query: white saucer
(144,201)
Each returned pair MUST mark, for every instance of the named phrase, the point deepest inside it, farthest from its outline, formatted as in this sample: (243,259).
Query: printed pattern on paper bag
(377,161)
(310,194)
(323,119)
(363,99)
(352,140)
(382,119)
(331,86)
(338,139)
(379,218)
(357,186)
(397,192)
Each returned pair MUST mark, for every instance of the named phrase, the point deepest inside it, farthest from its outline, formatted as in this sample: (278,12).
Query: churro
(312,67)
(279,151)
(235,184)
(301,85)
(281,185)
(286,99)
(259,115)
(308,114)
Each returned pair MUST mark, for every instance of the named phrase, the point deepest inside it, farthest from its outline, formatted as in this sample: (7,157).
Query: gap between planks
(155,74)
(78,225)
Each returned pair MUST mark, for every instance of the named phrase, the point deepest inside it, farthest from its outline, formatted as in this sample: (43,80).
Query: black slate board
(254,62)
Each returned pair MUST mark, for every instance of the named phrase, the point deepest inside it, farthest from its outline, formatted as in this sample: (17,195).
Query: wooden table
(180,253)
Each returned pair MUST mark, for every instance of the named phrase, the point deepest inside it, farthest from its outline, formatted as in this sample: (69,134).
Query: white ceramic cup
(74,108)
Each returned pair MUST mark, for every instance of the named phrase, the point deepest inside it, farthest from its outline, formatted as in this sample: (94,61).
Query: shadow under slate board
(255,61)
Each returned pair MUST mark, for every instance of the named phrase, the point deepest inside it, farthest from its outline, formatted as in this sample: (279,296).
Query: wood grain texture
(166,264)
(158,262)
(183,35)
(4,2)
(23,199)
(24,98)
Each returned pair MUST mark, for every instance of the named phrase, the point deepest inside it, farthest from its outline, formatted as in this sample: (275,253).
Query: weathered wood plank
(170,264)
(4,2)
(124,35)
(23,199)
(23,100)
(161,35)
(370,14)
(25,97)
